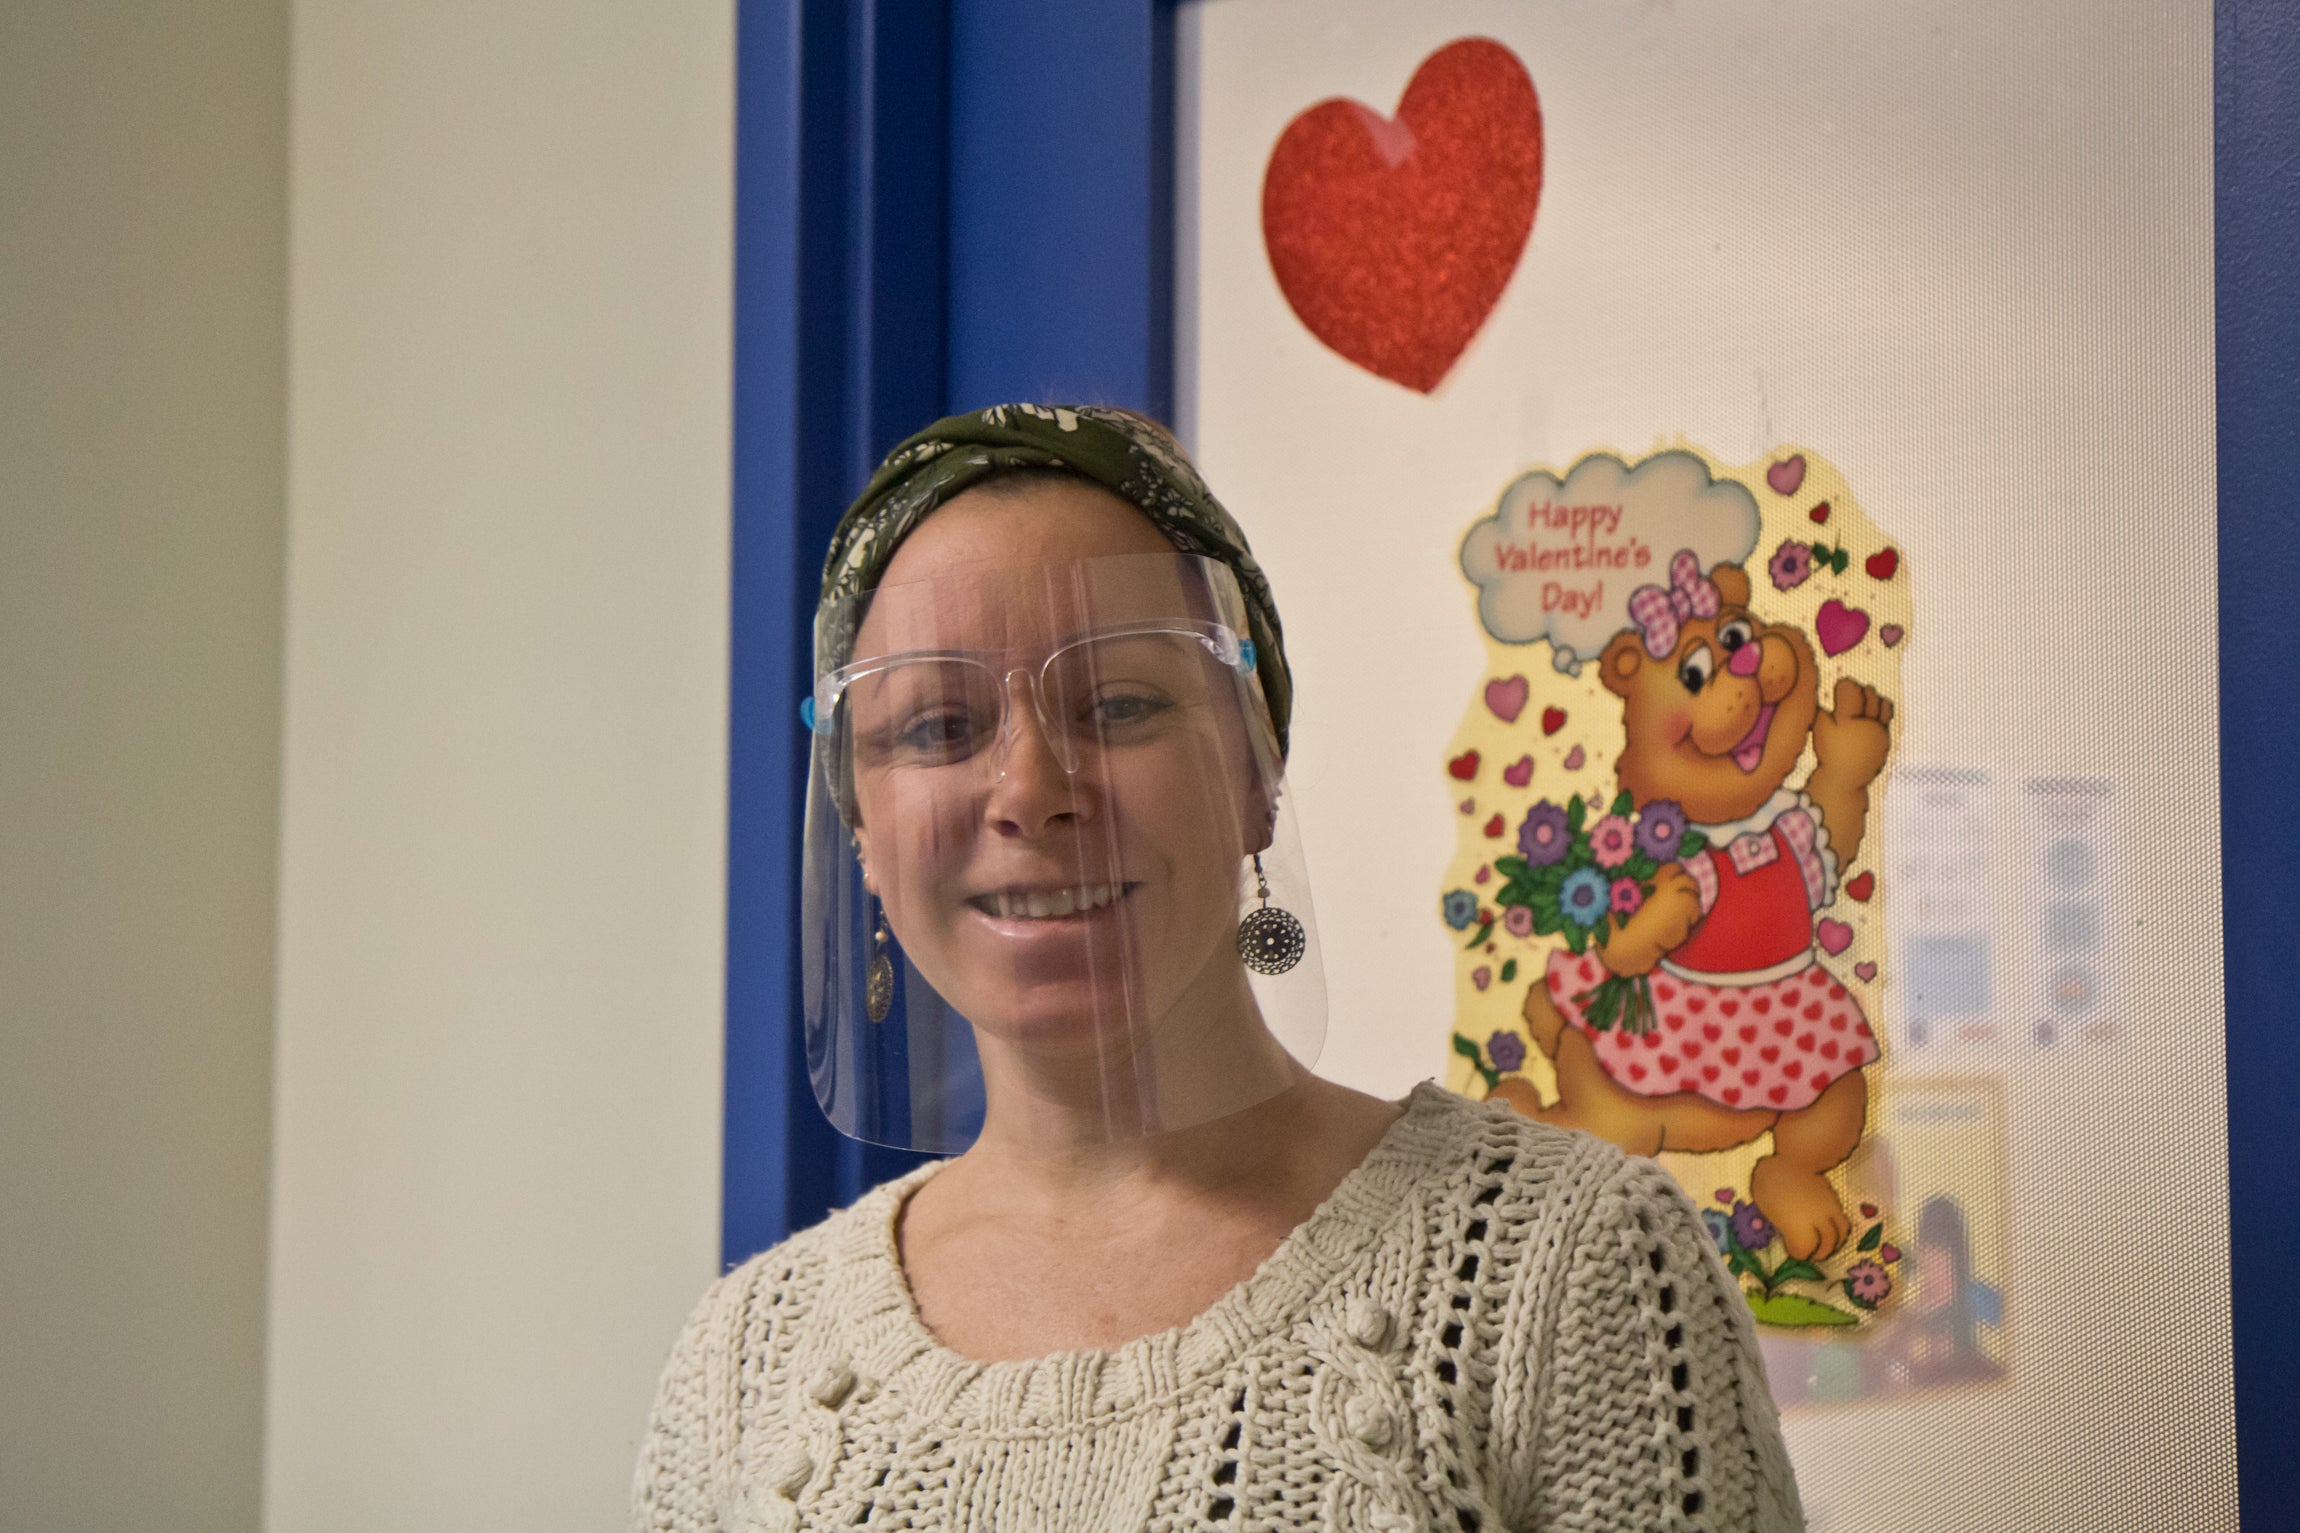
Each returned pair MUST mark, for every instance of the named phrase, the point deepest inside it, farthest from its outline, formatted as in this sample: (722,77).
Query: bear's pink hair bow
(1661,610)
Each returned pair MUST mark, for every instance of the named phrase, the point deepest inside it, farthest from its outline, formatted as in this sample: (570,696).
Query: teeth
(1048,904)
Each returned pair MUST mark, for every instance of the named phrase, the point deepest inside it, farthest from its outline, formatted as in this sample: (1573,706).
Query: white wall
(498,1098)
(143,163)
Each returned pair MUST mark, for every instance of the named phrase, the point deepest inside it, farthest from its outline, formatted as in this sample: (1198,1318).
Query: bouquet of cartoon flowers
(1580,879)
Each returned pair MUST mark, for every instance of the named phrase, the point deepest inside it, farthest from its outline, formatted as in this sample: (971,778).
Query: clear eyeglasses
(1101,691)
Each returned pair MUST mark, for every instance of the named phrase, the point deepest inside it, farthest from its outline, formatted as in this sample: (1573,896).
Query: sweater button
(831,1386)
(1368,1324)
(791,1473)
(1370,1421)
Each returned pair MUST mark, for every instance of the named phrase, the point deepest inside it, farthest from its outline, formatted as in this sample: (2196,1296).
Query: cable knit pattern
(1490,1324)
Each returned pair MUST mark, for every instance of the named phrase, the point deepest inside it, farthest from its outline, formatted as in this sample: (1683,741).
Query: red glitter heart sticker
(1393,237)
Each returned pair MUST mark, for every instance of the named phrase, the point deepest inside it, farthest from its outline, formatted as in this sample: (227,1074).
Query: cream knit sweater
(1490,1324)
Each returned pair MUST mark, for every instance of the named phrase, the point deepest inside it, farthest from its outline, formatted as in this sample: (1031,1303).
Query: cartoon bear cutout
(1749,1031)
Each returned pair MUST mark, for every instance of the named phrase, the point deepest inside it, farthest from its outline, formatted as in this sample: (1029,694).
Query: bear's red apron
(1744,1013)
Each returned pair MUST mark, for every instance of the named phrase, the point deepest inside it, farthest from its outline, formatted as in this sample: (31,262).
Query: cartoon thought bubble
(1559,561)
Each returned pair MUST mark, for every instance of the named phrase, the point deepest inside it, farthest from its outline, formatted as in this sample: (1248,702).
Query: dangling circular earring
(878,979)
(1270,940)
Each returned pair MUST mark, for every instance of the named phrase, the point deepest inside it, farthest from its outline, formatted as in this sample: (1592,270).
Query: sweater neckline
(889,1341)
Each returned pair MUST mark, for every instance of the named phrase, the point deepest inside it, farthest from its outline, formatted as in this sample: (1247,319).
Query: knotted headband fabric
(1122,453)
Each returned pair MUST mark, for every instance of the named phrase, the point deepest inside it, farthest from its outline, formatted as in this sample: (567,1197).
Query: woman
(1175,1279)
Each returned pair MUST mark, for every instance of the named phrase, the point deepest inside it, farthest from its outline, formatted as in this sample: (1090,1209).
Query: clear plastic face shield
(1044,809)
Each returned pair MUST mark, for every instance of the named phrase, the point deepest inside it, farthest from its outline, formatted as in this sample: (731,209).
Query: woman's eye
(1696,669)
(1735,634)
(939,734)
(1126,708)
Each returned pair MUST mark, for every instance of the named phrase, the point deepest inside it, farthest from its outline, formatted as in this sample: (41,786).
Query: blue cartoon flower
(1660,826)
(1506,1050)
(1460,908)
(1583,896)
(1543,838)
(1720,1227)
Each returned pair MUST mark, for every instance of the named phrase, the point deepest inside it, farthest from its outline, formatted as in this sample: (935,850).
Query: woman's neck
(1047,1164)
(1022,1247)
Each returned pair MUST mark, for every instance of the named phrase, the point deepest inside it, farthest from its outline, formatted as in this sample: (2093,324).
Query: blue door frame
(942,204)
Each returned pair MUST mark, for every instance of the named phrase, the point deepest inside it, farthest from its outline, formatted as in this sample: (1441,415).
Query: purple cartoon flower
(1868,1282)
(1791,566)
(1660,826)
(1460,908)
(1506,1050)
(1751,1228)
(1543,839)
(1517,920)
(1583,896)
(1626,897)
(1611,841)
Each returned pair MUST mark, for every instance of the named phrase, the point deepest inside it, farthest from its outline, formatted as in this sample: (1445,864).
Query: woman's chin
(1063,1023)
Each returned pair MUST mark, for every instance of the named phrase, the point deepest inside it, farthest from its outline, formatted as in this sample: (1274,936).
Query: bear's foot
(1800,1204)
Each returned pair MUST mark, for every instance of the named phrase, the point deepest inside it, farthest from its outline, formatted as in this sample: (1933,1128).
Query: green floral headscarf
(1121,452)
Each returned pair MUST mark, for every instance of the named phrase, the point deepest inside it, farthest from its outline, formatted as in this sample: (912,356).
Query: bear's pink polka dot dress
(1745,1013)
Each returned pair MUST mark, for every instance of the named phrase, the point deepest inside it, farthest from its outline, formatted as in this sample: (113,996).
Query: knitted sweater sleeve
(1655,1413)
(671,1491)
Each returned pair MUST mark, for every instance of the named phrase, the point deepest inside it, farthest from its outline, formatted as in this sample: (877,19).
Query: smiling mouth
(1751,750)
(1049,904)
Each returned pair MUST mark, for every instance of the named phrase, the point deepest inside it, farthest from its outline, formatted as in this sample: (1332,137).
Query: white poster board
(1964,250)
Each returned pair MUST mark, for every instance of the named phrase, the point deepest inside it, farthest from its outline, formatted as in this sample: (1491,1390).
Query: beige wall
(495,1187)
(476,867)
(142,239)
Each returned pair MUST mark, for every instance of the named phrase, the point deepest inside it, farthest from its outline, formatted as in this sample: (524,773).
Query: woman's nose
(1034,787)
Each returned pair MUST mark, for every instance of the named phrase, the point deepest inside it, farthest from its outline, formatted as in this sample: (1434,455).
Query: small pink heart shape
(1518,773)
(1481,976)
(1506,698)
(1469,806)
(1839,627)
(1892,634)
(1482,874)
(1835,936)
(1574,758)
(1786,475)
(1864,971)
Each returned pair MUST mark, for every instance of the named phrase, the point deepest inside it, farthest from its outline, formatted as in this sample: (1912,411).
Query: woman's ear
(1257,813)
(862,856)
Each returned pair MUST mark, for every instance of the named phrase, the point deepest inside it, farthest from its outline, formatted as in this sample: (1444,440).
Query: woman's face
(1056,886)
